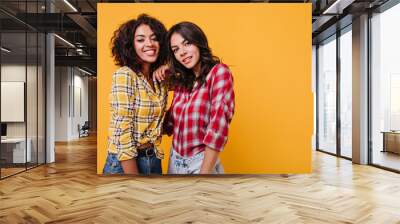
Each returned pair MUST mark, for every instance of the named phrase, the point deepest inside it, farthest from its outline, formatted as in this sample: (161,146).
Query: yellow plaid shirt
(137,114)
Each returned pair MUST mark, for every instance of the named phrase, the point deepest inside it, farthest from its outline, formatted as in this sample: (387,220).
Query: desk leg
(384,142)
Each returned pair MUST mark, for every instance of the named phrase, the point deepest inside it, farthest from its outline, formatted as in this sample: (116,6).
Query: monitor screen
(3,129)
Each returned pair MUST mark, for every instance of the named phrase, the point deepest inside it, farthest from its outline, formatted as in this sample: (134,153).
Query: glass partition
(13,95)
(22,88)
(385,89)
(327,95)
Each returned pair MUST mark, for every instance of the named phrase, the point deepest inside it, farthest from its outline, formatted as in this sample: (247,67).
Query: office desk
(13,150)
(391,141)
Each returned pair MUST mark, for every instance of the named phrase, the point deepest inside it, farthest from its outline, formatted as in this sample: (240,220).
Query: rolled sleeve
(222,109)
(123,105)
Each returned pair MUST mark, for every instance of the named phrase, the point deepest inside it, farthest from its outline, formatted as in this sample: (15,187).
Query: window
(327,95)
(385,88)
(346,93)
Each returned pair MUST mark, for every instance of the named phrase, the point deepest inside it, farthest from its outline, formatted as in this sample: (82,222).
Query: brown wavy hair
(123,49)
(194,35)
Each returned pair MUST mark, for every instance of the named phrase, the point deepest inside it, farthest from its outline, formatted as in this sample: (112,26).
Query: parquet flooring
(70,191)
(10,171)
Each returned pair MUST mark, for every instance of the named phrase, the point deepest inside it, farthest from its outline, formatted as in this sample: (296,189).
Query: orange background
(268,48)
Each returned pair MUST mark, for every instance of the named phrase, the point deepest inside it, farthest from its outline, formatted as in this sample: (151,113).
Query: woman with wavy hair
(203,103)
(137,101)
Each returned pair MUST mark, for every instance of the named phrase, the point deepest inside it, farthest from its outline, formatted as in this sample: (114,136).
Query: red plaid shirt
(201,117)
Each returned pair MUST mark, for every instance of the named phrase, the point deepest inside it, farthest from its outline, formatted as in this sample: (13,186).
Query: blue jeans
(146,165)
(190,165)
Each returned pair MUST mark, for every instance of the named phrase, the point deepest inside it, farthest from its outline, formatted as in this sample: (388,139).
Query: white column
(50,99)
(360,90)
(50,93)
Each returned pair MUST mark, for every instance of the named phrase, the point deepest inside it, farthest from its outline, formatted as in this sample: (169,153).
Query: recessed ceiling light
(64,40)
(70,5)
(5,50)
(84,71)
(337,7)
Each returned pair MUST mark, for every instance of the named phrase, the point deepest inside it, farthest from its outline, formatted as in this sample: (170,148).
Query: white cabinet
(17,147)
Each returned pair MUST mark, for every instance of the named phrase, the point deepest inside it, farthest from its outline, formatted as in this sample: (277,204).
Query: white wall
(62,80)
(80,84)
(34,125)
(12,73)
(71,87)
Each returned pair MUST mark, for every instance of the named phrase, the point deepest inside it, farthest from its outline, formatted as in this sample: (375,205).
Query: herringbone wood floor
(69,191)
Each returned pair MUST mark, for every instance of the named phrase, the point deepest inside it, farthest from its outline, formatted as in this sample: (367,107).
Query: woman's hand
(130,167)
(209,161)
(161,72)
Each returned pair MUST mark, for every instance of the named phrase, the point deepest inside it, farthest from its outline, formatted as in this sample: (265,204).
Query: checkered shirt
(201,117)
(136,114)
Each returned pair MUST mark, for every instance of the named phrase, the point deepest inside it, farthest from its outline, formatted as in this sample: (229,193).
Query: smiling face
(146,44)
(185,52)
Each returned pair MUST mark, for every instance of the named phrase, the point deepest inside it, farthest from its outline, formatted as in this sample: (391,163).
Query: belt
(146,150)
(146,146)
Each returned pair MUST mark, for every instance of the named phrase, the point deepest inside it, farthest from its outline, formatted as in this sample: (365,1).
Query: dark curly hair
(123,49)
(194,35)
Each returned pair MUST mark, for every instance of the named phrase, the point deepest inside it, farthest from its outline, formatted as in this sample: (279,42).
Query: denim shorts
(146,165)
(190,165)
